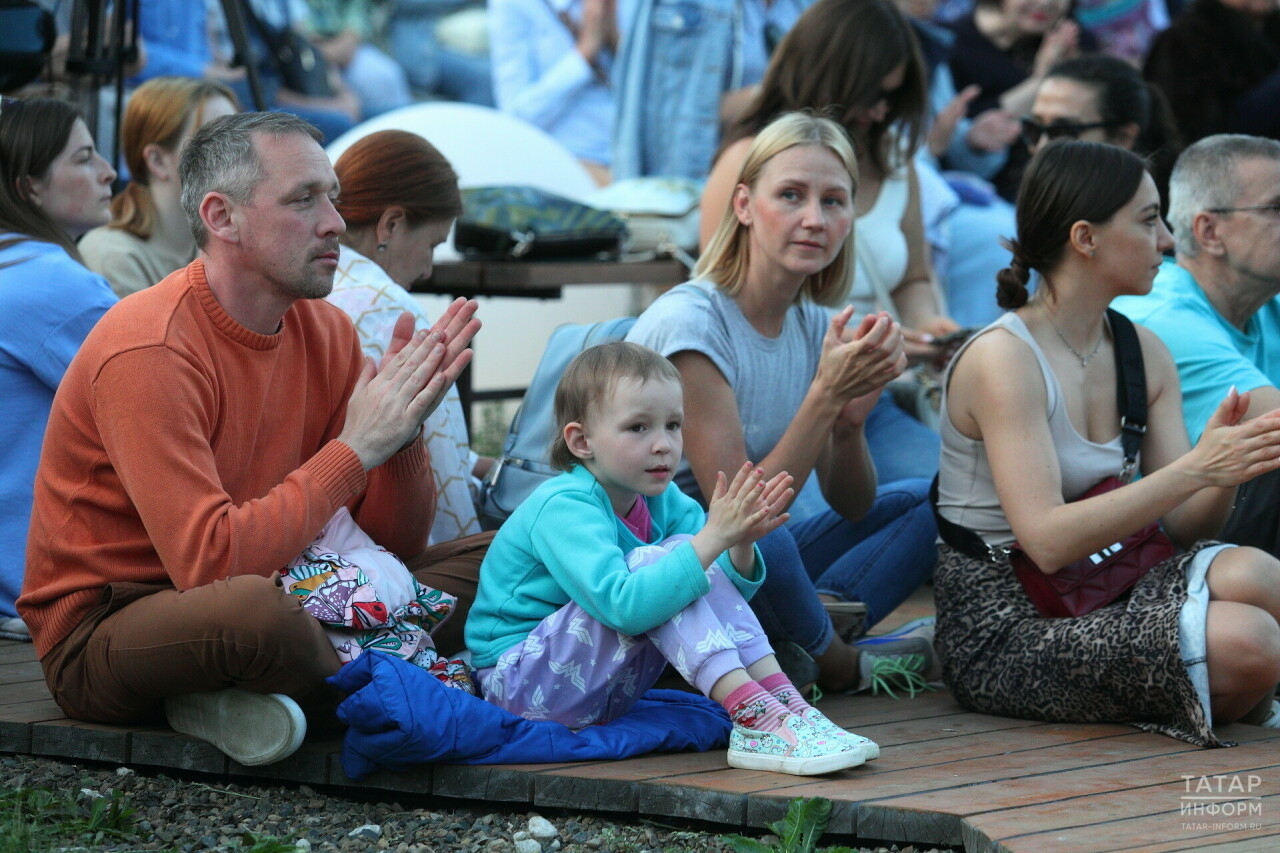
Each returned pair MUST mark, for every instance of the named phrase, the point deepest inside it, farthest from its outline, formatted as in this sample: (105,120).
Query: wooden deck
(946,776)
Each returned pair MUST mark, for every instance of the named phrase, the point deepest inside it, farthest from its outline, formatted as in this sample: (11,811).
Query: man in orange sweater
(204,434)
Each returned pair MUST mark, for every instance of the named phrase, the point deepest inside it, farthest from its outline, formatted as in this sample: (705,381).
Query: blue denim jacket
(672,67)
(677,58)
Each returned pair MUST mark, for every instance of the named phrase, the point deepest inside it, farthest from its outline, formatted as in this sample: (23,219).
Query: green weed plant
(797,832)
(34,819)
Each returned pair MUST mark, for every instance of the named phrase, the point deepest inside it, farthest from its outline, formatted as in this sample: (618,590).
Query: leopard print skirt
(1119,664)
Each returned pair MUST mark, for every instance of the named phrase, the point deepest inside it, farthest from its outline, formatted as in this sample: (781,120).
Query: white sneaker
(826,728)
(251,728)
(796,748)
(13,628)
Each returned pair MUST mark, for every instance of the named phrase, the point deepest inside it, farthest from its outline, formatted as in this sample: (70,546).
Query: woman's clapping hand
(860,361)
(1232,450)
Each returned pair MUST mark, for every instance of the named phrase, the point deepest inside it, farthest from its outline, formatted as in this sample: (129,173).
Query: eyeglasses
(1033,130)
(1273,209)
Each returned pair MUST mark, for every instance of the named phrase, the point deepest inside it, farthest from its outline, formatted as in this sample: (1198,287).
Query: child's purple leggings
(574,670)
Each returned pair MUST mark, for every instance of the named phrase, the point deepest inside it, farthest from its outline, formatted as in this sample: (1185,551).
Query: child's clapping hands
(741,512)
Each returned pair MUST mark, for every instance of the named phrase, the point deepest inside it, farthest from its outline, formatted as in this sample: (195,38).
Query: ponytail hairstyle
(1066,181)
(1011,282)
(160,111)
(590,379)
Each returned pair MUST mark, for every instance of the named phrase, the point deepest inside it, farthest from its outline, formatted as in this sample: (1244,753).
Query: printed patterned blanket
(367,600)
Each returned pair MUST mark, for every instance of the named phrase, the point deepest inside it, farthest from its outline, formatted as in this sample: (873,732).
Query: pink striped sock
(785,692)
(753,707)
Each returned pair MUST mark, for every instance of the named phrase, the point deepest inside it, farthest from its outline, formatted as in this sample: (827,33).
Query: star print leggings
(574,670)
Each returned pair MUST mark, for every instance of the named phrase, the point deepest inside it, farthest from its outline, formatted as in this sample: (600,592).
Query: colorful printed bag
(367,599)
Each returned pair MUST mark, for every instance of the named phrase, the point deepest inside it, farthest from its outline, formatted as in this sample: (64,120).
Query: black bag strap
(270,36)
(1131,389)
(1131,401)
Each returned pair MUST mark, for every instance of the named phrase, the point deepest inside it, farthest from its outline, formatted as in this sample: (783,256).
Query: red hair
(396,168)
(158,113)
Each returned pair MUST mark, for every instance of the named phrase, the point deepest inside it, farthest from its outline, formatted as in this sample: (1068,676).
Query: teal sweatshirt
(564,543)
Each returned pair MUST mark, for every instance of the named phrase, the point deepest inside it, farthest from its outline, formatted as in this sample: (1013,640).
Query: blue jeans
(975,257)
(901,446)
(879,560)
(433,67)
(330,123)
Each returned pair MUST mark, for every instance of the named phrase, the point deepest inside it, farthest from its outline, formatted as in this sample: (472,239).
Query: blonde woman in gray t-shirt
(768,377)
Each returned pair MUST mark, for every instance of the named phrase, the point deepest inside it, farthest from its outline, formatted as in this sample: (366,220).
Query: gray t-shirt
(769,376)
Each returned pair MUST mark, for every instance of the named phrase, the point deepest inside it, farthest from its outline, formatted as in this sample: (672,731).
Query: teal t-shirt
(1210,353)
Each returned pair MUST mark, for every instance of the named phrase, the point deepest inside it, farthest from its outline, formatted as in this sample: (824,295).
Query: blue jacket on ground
(398,716)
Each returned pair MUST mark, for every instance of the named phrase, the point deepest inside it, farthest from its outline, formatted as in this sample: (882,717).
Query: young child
(608,572)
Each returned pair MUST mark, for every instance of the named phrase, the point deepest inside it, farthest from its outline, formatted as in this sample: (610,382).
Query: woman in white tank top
(858,61)
(1031,421)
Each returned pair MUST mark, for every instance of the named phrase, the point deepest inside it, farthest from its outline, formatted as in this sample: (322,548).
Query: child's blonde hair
(591,378)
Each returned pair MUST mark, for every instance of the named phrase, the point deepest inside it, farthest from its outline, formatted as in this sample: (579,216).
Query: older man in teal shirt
(1216,307)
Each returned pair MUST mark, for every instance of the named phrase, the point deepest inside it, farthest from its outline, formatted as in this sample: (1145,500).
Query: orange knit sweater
(185,448)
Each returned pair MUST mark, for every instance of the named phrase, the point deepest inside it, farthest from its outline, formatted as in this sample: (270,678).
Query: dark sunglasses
(1032,130)
(886,95)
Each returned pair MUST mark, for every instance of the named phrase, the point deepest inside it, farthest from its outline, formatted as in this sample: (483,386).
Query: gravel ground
(194,815)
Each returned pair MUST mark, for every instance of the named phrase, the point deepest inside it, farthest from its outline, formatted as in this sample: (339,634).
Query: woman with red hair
(148,236)
(399,199)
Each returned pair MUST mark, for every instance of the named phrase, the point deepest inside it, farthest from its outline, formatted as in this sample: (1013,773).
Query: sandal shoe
(848,618)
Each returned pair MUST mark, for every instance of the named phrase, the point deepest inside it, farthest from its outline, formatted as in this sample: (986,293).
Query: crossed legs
(1242,634)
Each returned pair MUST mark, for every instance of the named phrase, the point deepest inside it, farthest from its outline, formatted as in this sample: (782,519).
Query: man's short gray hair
(221,158)
(1205,177)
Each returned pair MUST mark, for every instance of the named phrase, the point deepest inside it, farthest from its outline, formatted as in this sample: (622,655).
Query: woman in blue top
(53,188)
(608,572)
